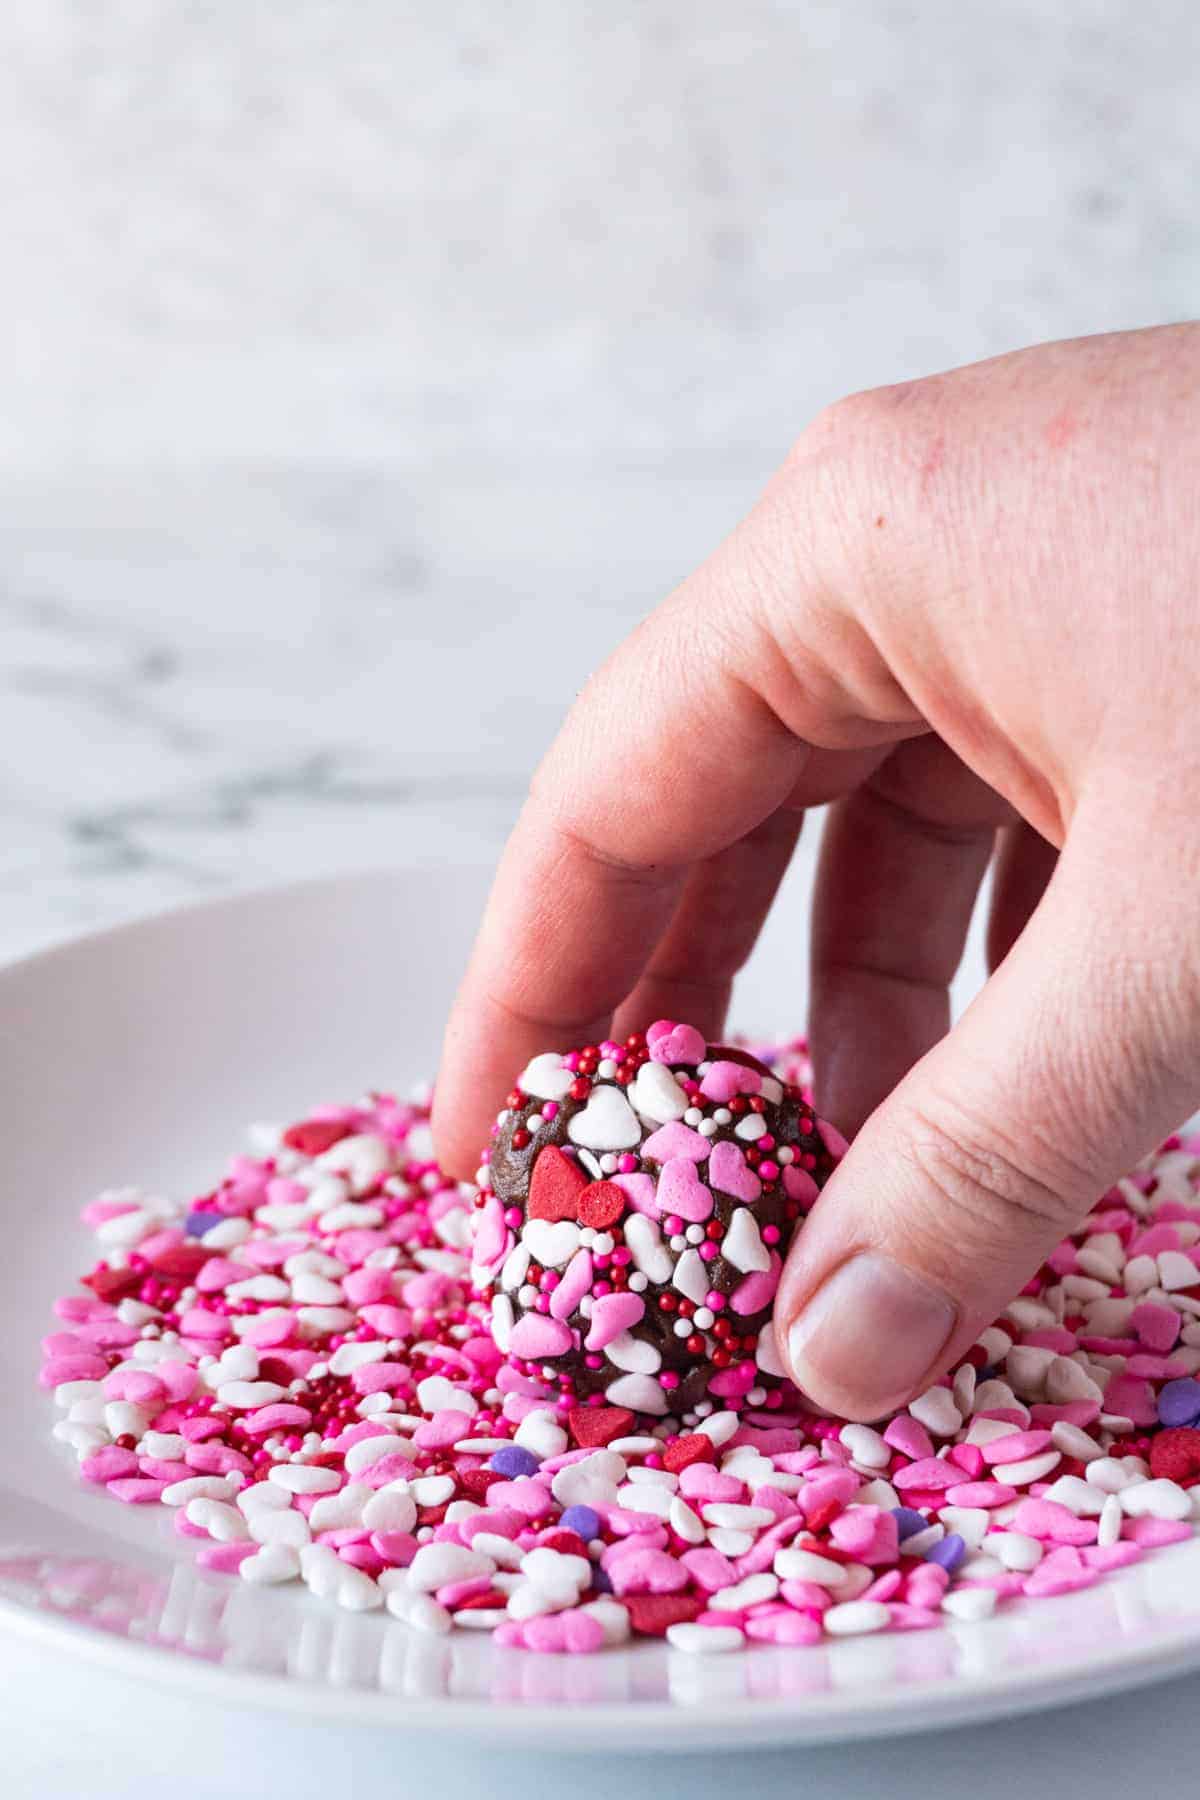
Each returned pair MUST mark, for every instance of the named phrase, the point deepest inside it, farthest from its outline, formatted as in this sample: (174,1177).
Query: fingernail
(869,1336)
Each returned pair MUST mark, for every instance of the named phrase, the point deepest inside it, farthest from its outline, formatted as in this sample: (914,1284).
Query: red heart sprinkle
(688,1450)
(555,1186)
(567,1543)
(477,1602)
(1175,1454)
(182,1260)
(821,1547)
(315,1137)
(650,1614)
(601,1204)
(594,1426)
(113,1284)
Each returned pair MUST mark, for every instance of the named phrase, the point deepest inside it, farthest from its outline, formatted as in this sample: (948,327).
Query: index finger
(664,760)
(694,733)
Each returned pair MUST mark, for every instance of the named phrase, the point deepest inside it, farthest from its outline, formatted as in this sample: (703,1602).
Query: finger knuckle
(861,431)
(887,475)
(989,1180)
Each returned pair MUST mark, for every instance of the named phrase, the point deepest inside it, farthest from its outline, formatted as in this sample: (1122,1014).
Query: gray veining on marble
(366,372)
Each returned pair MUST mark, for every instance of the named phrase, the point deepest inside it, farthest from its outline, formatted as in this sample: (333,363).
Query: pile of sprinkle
(295,1365)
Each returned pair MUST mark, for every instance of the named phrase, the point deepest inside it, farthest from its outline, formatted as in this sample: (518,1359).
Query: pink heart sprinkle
(1133,1398)
(537,1336)
(731,1384)
(757,1290)
(672,1043)
(265,1332)
(838,1485)
(611,1315)
(642,1193)
(681,1191)
(725,1080)
(576,1282)
(729,1171)
(490,1233)
(832,1139)
(799,1185)
(675,1139)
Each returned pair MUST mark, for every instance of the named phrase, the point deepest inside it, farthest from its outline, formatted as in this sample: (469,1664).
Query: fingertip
(871,1335)
(456,1149)
(467,1093)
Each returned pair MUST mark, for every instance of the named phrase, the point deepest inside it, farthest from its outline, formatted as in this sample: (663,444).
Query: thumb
(1081,1052)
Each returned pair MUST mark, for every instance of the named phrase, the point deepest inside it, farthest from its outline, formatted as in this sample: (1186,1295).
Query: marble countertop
(247,674)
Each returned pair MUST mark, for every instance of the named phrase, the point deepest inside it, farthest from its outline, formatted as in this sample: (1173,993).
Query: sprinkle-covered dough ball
(634,1211)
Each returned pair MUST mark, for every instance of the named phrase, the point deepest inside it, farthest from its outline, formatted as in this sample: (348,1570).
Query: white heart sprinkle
(742,1245)
(607,1122)
(362,1158)
(436,1394)
(371,1450)
(290,1527)
(644,1242)
(691,1277)
(391,1508)
(641,1393)
(1176,1271)
(311,1289)
(436,1564)
(515,1265)
(591,1481)
(221,1521)
(657,1095)
(553,1244)
(304,1478)
(355,1591)
(261,1494)
(246,1395)
(338,1512)
(432,1490)
(503,1320)
(540,1432)
(704,1640)
(545,1077)
(633,1353)
(274,1562)
(354,1355)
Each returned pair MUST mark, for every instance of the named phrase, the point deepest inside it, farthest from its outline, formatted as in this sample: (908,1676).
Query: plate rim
(655,1725)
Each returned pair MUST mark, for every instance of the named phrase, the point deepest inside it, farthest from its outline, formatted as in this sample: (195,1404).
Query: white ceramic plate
(139,1055)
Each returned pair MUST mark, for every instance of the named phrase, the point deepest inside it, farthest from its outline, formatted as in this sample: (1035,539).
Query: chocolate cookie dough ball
(634,1211)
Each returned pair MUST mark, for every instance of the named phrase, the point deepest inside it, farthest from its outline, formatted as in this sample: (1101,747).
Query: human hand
(965,611)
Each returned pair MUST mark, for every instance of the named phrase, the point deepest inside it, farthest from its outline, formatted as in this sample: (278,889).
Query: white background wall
(366,370)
